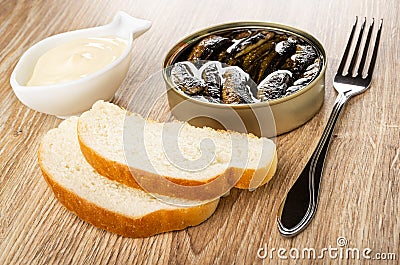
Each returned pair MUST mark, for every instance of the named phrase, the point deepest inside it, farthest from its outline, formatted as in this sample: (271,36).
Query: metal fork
(300,204)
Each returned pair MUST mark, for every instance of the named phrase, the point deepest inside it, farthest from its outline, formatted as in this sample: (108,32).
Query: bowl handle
(126,25)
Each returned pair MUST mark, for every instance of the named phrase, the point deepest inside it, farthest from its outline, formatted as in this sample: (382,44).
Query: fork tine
(346,51)
(357,48)
(376,46)
(364,56)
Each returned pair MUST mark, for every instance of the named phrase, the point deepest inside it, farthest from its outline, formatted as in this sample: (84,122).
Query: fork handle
(300,204)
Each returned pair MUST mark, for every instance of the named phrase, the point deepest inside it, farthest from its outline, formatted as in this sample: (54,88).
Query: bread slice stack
(137,177)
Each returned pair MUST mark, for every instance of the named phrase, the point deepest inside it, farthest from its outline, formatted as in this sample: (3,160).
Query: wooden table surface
(359,193)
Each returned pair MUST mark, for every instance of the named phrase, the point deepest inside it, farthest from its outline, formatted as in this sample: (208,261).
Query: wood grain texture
(360,189)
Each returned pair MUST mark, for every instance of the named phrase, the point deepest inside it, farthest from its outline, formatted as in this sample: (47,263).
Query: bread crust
(245,181)
(151,224)
(136,178)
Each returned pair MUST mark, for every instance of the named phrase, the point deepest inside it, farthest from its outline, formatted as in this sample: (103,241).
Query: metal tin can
(267,118)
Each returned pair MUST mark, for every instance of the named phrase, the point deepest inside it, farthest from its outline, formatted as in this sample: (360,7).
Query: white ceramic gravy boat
(74,97)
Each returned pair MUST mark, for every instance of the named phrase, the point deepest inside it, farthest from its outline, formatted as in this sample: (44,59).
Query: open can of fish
(262,53)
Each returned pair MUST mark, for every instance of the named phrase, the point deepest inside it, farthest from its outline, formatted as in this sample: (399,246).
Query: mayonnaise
(76,59)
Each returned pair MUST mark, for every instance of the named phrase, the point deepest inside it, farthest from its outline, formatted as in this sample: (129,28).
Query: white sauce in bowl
(76,59)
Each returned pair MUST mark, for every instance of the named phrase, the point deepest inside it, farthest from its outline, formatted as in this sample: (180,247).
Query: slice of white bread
(105,203)
(155,156)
